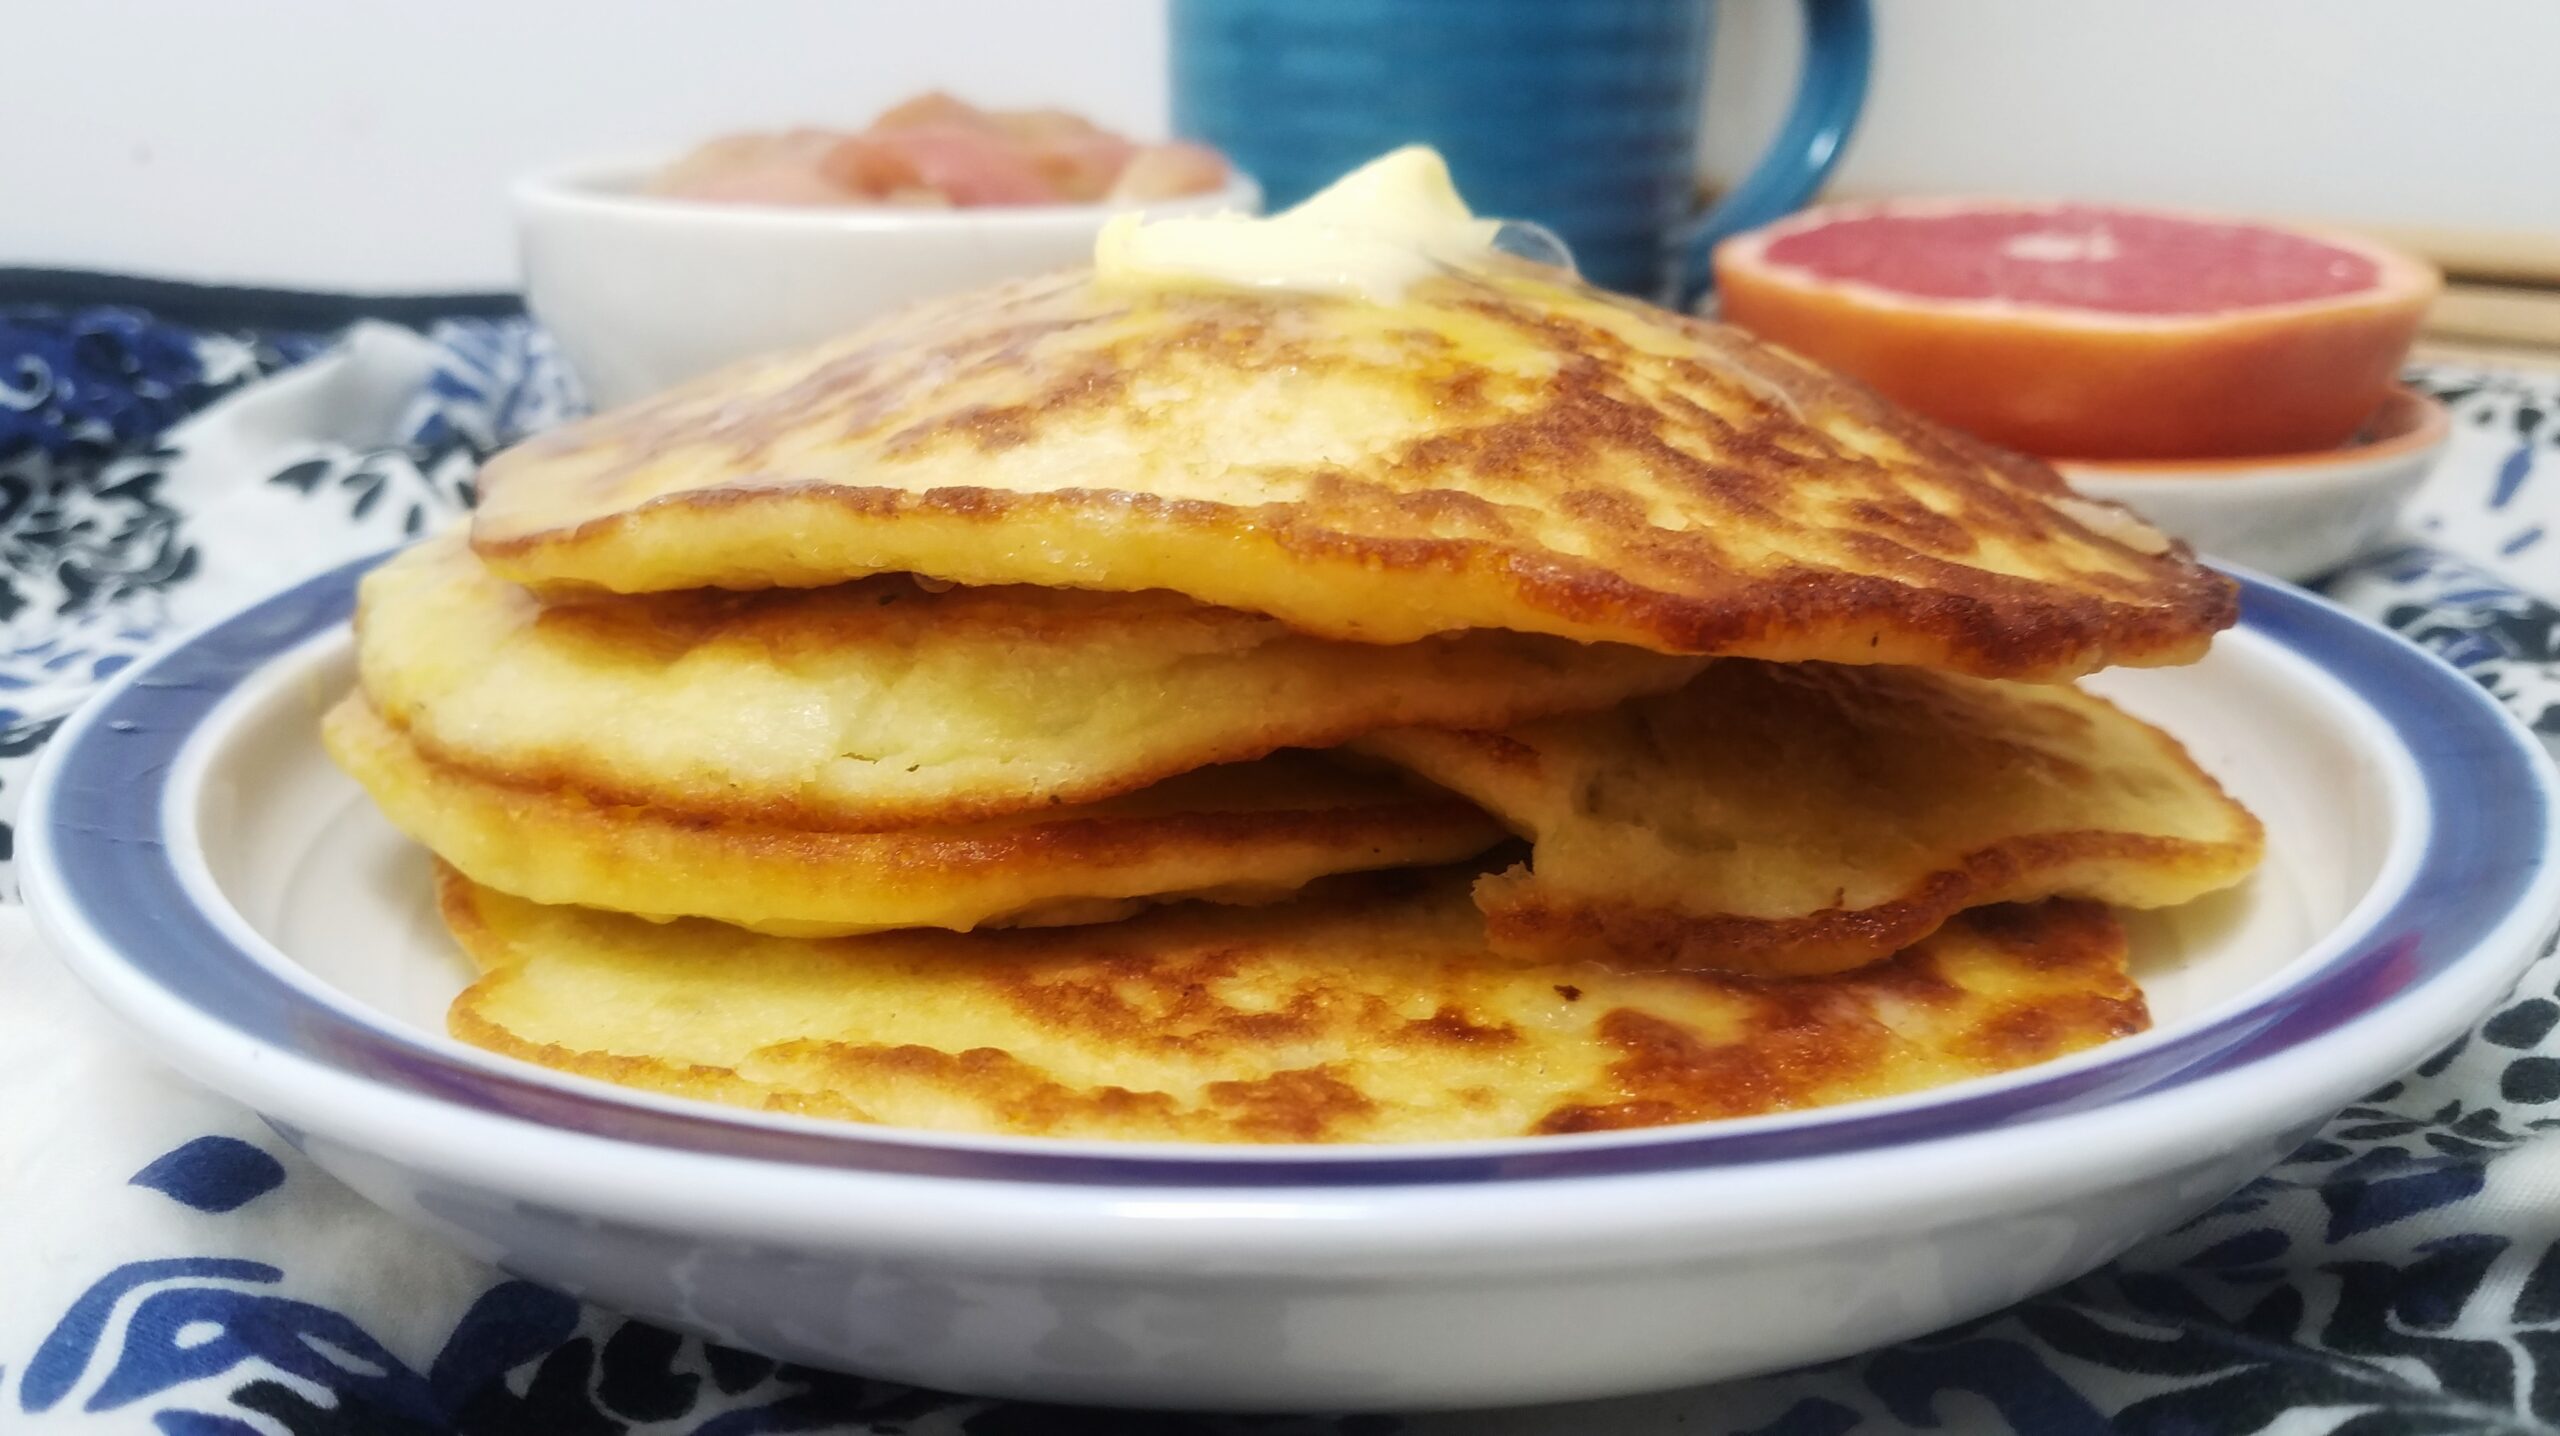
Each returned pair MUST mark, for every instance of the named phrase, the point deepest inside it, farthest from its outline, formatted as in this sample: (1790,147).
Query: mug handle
(1839,41)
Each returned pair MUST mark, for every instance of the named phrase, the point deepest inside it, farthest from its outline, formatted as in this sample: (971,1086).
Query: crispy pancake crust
(880,705)
(1500,450)
(1248,832)
(1801,818)
(1368,1011)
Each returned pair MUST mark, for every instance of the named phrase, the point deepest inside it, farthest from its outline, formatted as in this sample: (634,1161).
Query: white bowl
(197,861)
(2292,515)
(643,291)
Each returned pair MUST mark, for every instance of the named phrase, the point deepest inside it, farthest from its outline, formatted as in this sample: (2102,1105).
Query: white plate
(198,862)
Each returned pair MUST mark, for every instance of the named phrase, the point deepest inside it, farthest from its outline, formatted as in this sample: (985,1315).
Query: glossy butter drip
(1369,235)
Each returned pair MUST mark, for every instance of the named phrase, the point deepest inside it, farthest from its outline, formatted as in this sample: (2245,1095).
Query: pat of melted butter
(1369,235)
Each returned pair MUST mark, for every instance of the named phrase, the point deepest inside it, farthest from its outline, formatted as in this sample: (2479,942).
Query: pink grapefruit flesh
(2088,331)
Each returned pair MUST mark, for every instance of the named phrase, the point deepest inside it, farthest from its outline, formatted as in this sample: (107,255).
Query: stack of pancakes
(1245,715)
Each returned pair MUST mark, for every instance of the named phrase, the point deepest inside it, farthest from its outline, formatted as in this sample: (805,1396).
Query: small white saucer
(2292,515)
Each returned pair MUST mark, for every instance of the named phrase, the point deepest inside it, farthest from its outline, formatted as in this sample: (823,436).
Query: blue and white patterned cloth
(168,1265)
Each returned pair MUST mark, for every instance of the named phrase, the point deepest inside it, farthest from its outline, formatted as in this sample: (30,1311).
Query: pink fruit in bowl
(2079,331)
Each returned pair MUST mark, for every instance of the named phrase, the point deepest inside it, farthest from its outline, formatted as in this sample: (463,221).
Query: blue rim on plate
(103,846)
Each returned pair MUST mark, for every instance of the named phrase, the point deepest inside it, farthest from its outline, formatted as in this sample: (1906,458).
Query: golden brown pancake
(1795,818)
(882,705)
(1244,832)
(1505,449)
(1369,1012)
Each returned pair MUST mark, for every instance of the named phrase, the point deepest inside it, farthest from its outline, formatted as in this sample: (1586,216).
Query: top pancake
(1500,449)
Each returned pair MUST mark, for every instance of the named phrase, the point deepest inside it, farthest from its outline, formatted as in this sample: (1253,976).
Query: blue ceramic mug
(1579,114)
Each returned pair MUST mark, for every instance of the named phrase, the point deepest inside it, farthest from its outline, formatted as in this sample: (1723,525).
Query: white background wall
(340,143)
(2430,113)
(367,143)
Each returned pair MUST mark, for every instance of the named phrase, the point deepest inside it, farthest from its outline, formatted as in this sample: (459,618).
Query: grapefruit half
(2080,331)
